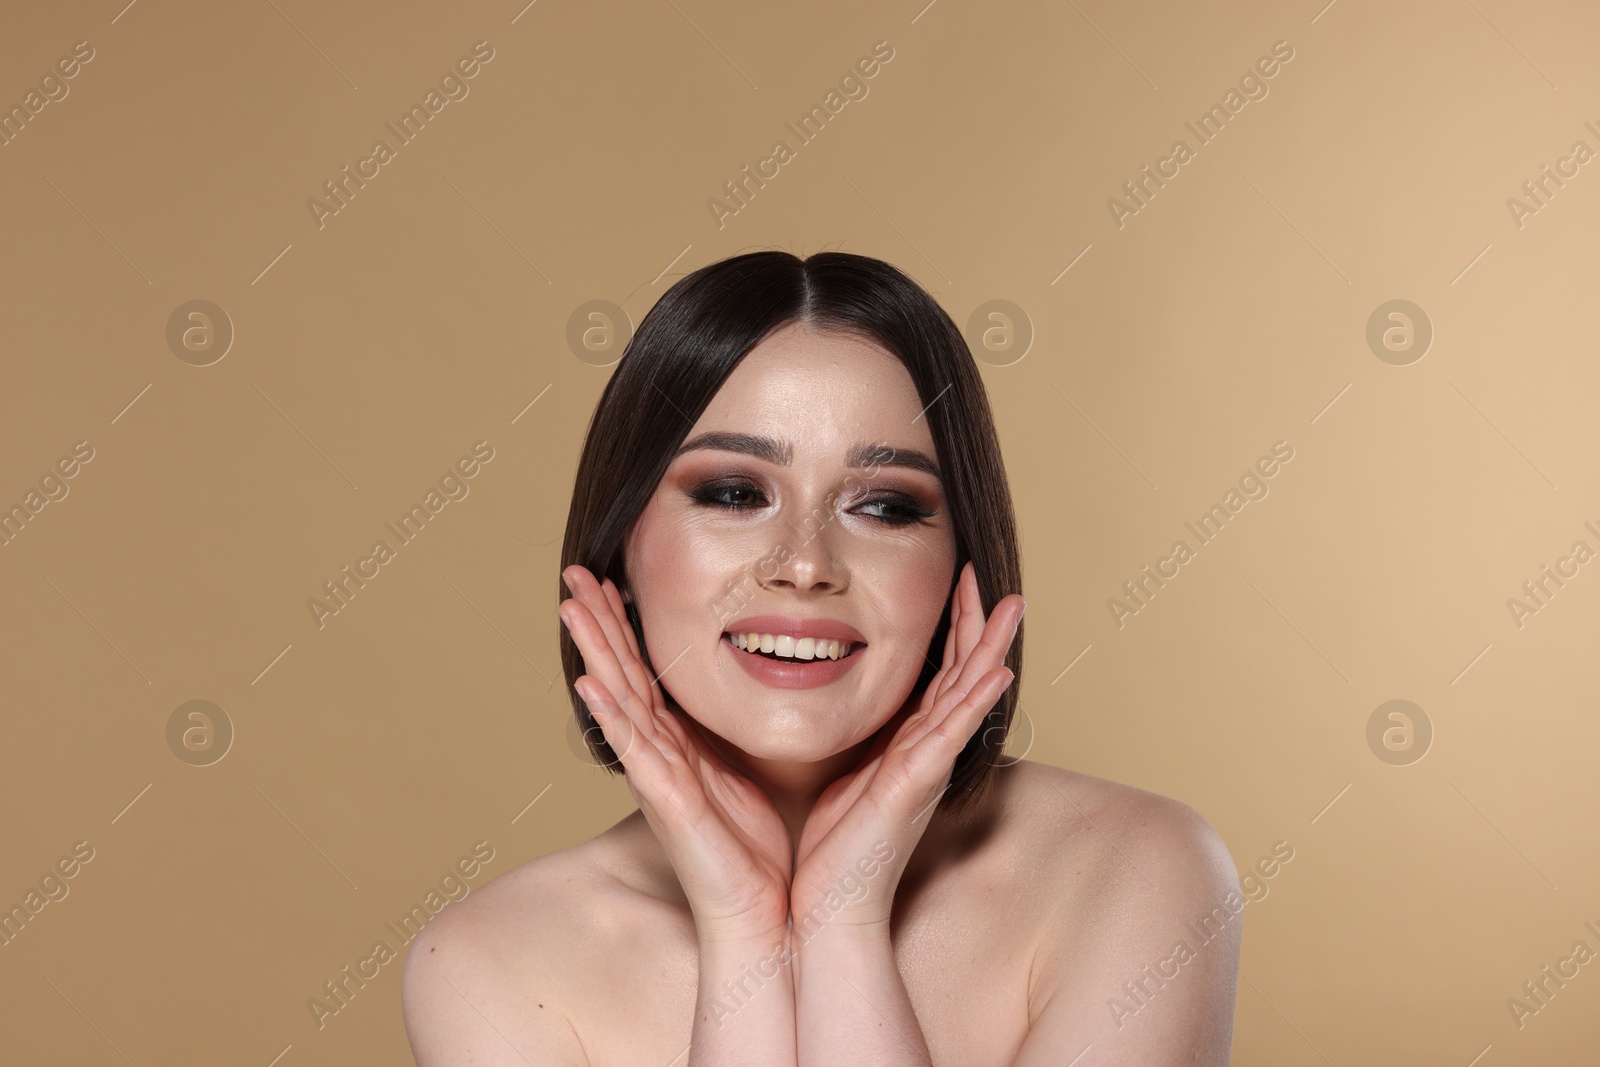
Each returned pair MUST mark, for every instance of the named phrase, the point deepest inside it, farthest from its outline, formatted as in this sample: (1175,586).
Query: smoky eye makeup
(732,493)
(896,509)
(735,493)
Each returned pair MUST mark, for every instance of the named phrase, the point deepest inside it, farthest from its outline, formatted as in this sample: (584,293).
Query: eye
(739,494)
(898,510)
(717,494)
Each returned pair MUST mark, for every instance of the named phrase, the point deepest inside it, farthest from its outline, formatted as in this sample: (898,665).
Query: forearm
(745,1009)
(851,1003)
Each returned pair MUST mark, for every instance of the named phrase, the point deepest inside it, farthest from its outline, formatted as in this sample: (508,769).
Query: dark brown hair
(685,348)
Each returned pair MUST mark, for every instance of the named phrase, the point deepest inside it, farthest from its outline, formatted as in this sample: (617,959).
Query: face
(771,518)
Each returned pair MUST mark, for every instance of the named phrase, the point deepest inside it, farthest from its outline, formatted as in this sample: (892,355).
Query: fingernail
(564,583)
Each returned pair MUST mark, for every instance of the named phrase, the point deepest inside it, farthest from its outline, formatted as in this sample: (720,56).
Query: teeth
(789,647)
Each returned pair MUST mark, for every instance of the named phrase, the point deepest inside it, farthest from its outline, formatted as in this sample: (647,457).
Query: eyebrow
(781,453)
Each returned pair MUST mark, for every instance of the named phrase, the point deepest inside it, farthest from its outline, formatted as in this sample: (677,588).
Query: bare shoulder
(497,977)
(1142,945)
(1110,834)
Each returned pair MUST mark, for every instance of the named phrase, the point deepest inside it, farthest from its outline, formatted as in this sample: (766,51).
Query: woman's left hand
(886,797)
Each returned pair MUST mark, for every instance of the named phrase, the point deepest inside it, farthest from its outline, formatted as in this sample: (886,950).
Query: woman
(793,573)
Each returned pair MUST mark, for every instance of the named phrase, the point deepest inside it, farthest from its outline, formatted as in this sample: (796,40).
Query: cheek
(688,580)
(680,567)
(909,584)
(920,600)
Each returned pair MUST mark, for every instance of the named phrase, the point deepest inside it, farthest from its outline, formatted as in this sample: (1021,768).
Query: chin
(796,750)
(798,742)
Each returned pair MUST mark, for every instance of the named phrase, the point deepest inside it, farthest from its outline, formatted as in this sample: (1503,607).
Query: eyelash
(706,495)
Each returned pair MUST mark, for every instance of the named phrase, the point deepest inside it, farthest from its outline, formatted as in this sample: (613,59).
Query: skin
(790,834)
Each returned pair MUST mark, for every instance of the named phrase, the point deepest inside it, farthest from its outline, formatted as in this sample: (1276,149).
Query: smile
(783,646)
(793,671)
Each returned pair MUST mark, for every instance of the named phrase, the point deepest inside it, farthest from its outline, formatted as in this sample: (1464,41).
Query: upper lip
(795,626)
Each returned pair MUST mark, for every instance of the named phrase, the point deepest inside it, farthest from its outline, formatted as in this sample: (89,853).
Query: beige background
(1229,313)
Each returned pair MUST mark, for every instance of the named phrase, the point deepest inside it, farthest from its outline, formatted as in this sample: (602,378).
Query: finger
(617,635)
(587,592)
(620,610)
(648,770)
(988,654)
(989,651)
(955,617)
(929,758)
(970,627)
(940,744)
(672,795)
(947,668)
(610,589)
(601,660)
(971,710)
(615,727)
(644,760)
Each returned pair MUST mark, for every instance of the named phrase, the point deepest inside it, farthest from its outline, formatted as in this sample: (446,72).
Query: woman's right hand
(725,840)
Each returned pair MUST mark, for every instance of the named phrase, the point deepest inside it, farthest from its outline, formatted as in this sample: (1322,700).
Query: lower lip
(792,674)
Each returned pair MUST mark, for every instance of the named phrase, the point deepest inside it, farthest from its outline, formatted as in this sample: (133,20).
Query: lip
(792,674)
(795,626)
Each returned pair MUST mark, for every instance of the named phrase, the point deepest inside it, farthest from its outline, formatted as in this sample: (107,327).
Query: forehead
(821,391)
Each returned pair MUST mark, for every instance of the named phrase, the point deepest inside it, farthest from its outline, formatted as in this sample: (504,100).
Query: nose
(808,558)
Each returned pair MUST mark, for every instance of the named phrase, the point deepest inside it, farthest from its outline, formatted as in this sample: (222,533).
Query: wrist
(726,941)
(757,959)
(867,916)
(862,928)
(842,948)
(826,892)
